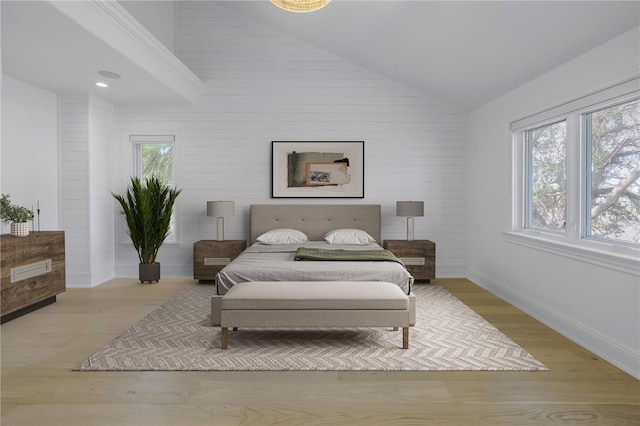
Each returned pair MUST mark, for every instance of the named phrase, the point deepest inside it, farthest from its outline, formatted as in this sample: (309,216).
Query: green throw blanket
(306,253)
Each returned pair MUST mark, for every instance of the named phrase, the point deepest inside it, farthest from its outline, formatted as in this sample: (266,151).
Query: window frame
(528,172)
(136,140)
(588,149)
(574,243)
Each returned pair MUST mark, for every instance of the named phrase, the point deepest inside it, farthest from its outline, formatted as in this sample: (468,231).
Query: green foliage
(615,171)
(157,161)
(548,177)
(12,213)
(148,209)
(613,154)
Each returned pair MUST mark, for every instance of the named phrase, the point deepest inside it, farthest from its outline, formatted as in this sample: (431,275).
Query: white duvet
(262,262)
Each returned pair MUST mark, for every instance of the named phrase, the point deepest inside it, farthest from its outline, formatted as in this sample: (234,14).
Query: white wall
(87,128)
(594,306)
(263,86)
(101,224)
(74,187)
(30,149)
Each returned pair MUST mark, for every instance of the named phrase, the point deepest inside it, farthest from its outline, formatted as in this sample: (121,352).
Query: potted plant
(148,208)
(17,216)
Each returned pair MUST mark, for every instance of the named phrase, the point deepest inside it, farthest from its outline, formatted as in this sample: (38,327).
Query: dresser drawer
(36,265)
(32,290)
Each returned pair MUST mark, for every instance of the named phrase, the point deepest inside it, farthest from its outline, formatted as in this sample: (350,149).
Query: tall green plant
(148,208)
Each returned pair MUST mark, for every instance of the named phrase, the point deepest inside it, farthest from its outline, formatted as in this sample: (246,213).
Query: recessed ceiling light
(101,84)
(109,74)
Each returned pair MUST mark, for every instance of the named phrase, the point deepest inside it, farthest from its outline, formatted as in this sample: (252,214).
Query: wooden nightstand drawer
(216,261)
(413,261)
(210,256)
(419,256)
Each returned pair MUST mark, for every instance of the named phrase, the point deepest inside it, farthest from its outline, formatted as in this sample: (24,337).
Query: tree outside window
(547,177)
(613,190)
(157,161)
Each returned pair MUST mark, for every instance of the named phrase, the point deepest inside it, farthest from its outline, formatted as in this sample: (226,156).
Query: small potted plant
(148,208)
(17,216)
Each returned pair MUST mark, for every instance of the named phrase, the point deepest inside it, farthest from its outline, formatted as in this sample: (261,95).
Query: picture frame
(317,169)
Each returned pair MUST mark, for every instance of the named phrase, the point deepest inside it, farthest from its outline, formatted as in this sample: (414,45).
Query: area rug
(178,336)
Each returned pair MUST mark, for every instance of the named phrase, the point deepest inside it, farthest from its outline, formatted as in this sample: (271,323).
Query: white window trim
(573,243)
(617,257)
(137,140)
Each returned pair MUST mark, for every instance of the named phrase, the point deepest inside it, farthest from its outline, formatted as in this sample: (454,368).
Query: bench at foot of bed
(314,304)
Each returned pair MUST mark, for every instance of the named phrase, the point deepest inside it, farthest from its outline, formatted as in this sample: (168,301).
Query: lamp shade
(410,208)
(220,208)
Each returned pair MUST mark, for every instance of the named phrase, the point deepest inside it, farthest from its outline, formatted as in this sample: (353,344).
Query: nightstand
(210,256)
(419,256)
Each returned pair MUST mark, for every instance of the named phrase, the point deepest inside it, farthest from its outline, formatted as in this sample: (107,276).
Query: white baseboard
(450,272)
(619,355)
(77,280)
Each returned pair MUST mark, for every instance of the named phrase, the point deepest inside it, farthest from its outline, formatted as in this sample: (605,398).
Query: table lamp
(410,209)
(220,210)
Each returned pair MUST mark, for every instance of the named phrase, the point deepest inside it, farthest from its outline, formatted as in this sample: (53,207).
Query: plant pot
(149,272)
(20,229)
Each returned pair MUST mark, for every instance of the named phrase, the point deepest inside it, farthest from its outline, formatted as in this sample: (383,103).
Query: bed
(275,262)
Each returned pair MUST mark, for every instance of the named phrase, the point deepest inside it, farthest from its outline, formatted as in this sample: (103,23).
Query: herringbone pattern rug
(178,336)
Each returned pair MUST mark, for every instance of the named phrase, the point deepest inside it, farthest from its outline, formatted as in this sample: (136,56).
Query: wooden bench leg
(395,328)
(225,337)
(405,337)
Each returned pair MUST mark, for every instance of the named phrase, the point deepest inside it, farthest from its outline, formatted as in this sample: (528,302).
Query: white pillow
(349,236)
(283,236)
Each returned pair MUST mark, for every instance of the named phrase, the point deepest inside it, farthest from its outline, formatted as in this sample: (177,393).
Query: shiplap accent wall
(264,86)
(87,127)
(101,225)
(74,187)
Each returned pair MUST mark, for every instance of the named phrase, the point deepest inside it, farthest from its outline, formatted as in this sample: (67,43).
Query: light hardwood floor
(39,388)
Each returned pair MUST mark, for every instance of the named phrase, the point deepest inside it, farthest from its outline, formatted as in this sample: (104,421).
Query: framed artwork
(317,169)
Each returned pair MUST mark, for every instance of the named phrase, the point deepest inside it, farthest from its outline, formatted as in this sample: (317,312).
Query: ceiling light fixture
(301,6)
(109,74)
(101,84)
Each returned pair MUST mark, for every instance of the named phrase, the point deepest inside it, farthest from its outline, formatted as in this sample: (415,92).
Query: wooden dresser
(32,272)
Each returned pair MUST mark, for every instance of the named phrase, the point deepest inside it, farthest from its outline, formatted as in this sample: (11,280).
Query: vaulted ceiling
(465,53)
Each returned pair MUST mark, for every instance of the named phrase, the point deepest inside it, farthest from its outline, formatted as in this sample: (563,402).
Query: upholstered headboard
(315,220)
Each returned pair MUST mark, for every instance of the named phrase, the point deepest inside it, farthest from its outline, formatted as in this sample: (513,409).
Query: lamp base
(221,229)
(409,229)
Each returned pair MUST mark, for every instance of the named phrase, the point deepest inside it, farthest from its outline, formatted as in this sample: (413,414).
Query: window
(613,179)
(153,156)
(547,177)
(576,178)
